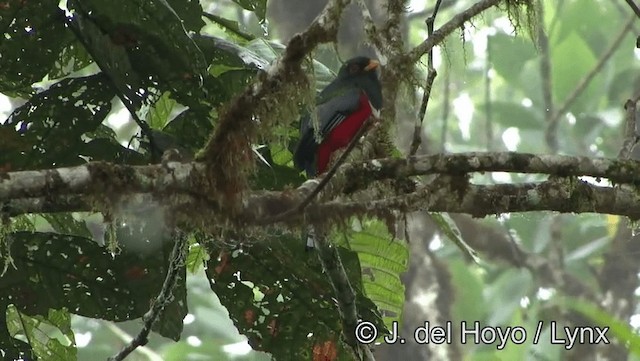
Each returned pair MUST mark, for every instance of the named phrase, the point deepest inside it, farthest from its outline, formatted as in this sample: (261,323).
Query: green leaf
(258,7)
(33,36)
(217,70)
(140,43)
(188,130)
(189,12)
(53,271)
(510,114)
(49,130)
(509,53)
(469,301)
(72,58)
(571,61)
(278,297)
(383,260)
(449,228)
(47,334)
(230,27)
(270,50)
(506,293)
(621,330)
(578,18)
(196,258)
(279,173)
(64,223)
(161,111)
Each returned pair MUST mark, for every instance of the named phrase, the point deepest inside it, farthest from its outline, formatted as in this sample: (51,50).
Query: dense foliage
(122,81)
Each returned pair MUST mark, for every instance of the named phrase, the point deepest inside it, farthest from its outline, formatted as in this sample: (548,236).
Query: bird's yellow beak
(373,64)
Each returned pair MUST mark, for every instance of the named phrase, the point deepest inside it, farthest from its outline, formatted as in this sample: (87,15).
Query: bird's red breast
(342,134)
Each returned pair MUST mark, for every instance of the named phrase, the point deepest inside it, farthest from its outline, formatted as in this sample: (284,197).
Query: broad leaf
(279,298)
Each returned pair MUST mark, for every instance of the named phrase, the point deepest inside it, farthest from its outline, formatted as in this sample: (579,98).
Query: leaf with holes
(278,296)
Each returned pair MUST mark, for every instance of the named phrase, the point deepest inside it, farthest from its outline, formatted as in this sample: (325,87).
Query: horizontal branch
(173,177)
(100,178)
(482,200)
(445,196)
(616,170)
(176,184)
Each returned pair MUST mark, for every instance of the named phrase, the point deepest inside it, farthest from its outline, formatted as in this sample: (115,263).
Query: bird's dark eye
(353,68)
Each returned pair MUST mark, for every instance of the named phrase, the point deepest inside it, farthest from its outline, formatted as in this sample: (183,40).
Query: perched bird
(342,107)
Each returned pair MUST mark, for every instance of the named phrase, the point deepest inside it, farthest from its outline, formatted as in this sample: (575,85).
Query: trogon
(342,108)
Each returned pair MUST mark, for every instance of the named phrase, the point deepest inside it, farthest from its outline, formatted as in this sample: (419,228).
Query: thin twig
(446,94)
(431,76)
(176,263)
(545,74)
(369,25)
(630,125)
(623,11)
(487,101)
(634,7)
(553,124)
(450,26)
(344,294)
(422,13)
(76,25)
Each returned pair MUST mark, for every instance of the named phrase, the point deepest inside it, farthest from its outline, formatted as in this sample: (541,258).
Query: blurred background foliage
(75,89)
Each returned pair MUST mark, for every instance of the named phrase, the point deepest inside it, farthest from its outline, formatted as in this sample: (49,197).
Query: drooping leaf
(161,111)
(277,296)
(36,328)
(449,228)
(509,53)
(382,261)
(509,114)
(142,46)
(48,131)
(33,36)
(614,327)
(571,61)
(258,7)
(53,271)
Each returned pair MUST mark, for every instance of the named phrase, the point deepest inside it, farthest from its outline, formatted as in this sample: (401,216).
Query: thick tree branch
(477,200)
(616,170)
(94,178)
(483,200)
(173,190)
(183,178)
